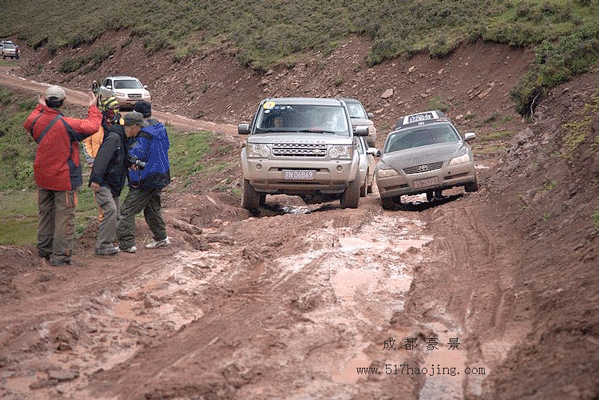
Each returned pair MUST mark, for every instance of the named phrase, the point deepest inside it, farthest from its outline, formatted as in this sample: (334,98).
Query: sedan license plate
(426,182)
(299,175)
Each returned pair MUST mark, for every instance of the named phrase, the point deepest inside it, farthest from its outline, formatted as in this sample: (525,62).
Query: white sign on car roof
(410,119)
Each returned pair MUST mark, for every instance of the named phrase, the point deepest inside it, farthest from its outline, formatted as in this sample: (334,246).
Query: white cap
(56,92)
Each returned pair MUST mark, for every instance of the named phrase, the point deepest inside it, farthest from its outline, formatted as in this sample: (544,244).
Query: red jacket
(56,165)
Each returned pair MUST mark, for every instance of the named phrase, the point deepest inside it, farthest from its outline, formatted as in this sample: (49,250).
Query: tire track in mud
(466,286)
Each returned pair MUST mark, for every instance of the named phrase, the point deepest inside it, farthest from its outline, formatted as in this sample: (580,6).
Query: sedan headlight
(345,152)
(257,150)
(460,160)
(387,173)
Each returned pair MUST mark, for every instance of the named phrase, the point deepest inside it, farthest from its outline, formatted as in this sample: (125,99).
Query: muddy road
(298,302)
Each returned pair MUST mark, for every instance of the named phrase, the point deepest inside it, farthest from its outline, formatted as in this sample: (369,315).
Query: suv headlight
(460,160)
(345,152)
(257,150)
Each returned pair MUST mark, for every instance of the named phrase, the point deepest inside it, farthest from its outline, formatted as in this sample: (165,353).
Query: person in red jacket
(57,171)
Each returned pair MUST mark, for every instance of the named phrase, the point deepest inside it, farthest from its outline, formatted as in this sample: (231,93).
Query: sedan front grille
(417,169)
(299,150)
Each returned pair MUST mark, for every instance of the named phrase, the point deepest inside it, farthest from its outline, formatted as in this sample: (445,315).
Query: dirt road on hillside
(299,302)
(8,78)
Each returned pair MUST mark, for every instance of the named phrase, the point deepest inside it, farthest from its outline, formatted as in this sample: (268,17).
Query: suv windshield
(356,110)
(421,136)
(301,118)
(127,84)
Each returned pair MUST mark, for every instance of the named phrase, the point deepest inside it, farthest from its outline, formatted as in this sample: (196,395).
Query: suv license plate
(426,182)
(299,175)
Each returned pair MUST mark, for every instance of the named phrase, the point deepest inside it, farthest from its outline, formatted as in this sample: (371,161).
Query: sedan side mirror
(469,136)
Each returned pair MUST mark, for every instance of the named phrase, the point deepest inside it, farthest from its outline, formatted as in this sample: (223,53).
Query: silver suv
(9,49)
(304,147)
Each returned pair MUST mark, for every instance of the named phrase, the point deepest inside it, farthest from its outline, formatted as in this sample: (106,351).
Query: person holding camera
(149,173)
(107,179)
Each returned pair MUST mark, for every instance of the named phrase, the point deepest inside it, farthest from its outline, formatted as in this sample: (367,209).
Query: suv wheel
(387,203)
(364,189)
(351,197)
(250,199)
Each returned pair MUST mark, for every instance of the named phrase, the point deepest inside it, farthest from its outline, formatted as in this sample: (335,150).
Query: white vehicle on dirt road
(127,89)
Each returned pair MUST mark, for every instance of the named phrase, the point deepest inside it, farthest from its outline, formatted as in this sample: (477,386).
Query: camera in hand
(137,162)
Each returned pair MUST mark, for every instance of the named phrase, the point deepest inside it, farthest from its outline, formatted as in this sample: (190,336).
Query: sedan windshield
(128,84)
(421,136)
(302,118)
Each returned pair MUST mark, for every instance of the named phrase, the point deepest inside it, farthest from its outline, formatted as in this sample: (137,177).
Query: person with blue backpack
(149,174)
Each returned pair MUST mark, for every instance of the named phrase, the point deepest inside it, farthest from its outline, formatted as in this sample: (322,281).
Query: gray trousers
(136,201)
(56,224)
(109,205)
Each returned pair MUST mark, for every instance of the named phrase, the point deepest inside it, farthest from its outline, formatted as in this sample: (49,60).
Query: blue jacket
(151,147)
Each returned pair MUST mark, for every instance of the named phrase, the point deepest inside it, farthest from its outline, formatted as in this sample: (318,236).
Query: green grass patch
(595,217)
(579,128)
(187,151)
(18,231)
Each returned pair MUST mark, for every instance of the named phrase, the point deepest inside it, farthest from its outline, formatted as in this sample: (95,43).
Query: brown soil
(288,304)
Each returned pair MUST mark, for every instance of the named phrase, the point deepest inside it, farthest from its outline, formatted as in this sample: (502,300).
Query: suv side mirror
(361,131)
(243,129)
(469,136)
(375,152)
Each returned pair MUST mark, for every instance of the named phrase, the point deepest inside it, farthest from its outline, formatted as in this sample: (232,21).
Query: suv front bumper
(325,176)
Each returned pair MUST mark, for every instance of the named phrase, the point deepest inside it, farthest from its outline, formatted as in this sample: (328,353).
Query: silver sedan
(425,155)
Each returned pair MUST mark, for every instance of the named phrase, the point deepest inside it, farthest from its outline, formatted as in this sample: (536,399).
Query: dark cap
(135,118)
(144,108)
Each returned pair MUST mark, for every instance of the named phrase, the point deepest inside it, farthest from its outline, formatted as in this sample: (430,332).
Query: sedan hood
(422,155)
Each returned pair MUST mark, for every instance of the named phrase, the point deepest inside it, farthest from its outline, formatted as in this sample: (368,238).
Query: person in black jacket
(107,179)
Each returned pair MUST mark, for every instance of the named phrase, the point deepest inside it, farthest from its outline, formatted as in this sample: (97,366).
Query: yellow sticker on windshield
(268,105)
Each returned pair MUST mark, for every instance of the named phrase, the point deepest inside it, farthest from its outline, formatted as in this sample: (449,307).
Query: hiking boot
(108,251)
(57,263)
(131,249)
(154,244)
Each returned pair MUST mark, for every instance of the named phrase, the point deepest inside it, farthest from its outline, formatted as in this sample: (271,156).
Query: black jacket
(110,168)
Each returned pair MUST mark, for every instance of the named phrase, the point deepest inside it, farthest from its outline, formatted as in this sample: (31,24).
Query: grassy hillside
(564,32)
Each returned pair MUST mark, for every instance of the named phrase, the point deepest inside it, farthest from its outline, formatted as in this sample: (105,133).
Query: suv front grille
(423,168)
(299,150)
(135,96)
